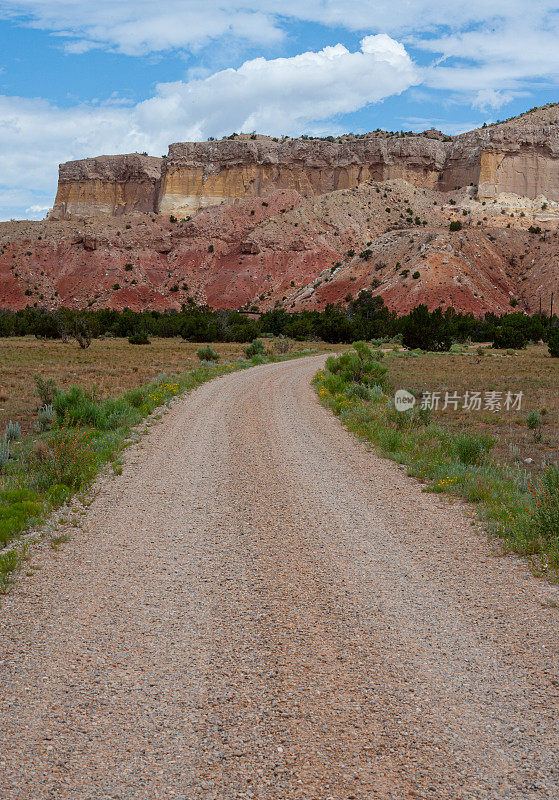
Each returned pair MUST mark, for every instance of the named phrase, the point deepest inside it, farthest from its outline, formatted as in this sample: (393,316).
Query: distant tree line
(364,318)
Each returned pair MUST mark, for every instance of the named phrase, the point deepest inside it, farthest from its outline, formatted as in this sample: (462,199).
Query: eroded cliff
(518,157)
(112,185)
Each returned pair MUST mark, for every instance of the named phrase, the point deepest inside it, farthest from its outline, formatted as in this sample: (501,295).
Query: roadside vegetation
(78,431)
(519,507)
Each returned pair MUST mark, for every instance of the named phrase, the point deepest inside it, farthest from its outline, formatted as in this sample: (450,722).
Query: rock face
(518,157)
(112,185)
(198,174)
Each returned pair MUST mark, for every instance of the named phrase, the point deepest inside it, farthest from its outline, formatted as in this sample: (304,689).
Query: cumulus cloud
(285,95)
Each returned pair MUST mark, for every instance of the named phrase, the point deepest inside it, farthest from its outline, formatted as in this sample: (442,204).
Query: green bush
(427,330)
(17,508)
(473,448)
(139,338)
(553,343)
(508,336)
(79,406)
(67,459)
(207,353)
(46,389)
(389,440)
(361,365)
(358,390)
(334,383)
(9,562)
(533,420)
(256,347)
(455,225)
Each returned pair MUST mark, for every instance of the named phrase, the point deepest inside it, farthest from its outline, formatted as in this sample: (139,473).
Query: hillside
(255,221)
(293,251)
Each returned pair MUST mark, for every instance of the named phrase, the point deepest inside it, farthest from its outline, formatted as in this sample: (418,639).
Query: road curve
(261,608)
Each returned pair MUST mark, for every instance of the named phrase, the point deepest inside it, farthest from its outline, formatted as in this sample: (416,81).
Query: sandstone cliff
(518,157)
(112,185)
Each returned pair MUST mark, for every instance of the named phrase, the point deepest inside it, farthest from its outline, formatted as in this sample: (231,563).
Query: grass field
(113,365)
(532,372)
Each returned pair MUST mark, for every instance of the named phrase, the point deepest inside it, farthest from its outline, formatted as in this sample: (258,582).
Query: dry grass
(531,371)
(113,365)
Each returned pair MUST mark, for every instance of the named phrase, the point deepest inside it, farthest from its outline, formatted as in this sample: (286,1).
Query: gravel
(259,607)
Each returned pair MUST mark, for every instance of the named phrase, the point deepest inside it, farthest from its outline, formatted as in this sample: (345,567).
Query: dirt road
(260,608)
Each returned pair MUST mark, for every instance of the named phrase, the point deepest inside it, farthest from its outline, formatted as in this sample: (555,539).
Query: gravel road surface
(259,607)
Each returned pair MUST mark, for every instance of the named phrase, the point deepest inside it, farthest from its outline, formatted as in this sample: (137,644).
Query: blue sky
(80,78)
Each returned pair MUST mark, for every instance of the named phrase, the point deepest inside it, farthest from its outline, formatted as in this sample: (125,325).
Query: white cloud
(491,100)
(504,45)
(141,26)
(285,95)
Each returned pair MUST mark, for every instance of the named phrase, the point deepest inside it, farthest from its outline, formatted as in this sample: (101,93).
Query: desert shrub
(455,225)
(256,347)
(46,416)
(358,391)
(553,343)
(207,353)
(258,359)
(472,448)
(361,365)
(13,431)
(533,420)
(282,344)
(46,389)
(139,338)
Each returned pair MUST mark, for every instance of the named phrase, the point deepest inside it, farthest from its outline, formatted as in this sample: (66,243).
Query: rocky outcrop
(199,174)
(112,185)
(522,161)
(519,157)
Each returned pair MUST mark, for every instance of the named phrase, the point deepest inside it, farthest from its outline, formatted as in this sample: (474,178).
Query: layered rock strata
(520,157)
